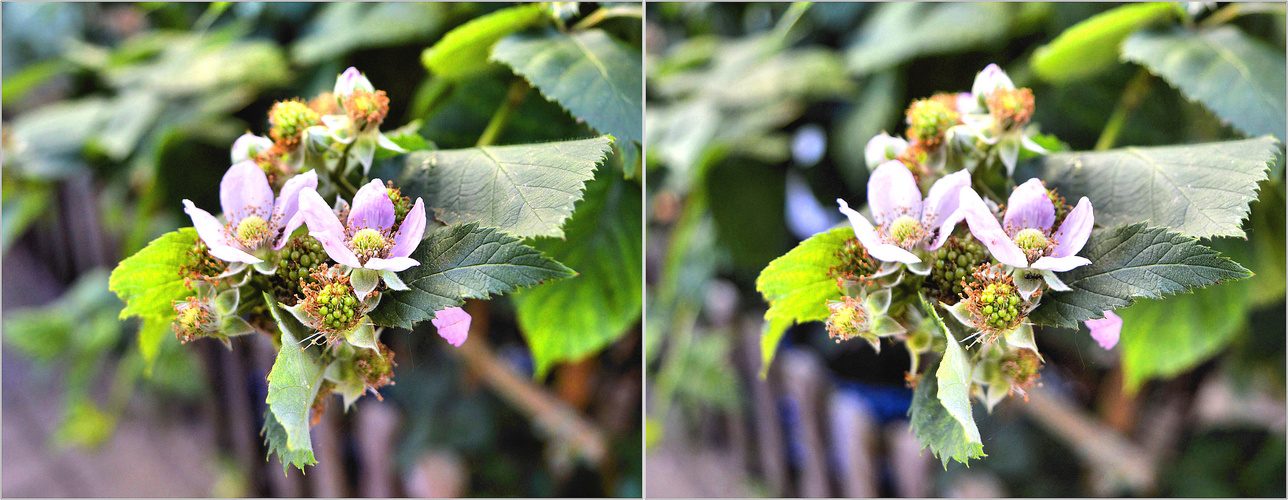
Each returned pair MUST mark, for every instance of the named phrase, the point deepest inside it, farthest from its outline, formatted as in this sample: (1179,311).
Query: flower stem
(337,174)
(604,13)
(1135,92)
(518,90)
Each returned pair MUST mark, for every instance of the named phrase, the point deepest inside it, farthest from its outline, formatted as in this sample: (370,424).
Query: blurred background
(757,116)
(113,113)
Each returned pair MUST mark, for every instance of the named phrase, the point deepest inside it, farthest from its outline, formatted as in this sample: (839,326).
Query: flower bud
(882,148)
(928,121)
(289,120)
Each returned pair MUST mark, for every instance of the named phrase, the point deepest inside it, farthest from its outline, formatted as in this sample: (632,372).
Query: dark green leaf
(798,286)
(463,261)
(1239,78)
(293,384)
(571,319)
(1090,47)
(1199,190)
(1130,262)
(594,76)
(463,52)
(527,190)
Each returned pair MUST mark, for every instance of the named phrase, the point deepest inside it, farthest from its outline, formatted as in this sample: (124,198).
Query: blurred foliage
(726,141)
(147,99)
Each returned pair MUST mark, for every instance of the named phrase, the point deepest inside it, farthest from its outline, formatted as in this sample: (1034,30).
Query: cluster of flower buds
(990,274)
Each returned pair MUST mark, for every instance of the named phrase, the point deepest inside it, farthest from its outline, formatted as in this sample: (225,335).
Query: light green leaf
(362,335)
(149,281)
(900,31)
(798,286)
(463,52)
(463,261)
(153,332)
(344,27)
(1199,190)
(1090,47)
(1239,78)
(574,318)
(527,190)
(1130,262)
(936,428)
(594,76)
(293,384)
(1163,338)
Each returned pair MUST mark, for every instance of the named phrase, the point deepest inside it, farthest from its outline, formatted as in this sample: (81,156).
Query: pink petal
(1106,330)
(1029,207)
(992,78)
(395,264)
(410,232)
(1059,264)
(881,148)
(345,83)
(249,145)
(453,324)
(286,207)
(215,236)
(943,199)
(867,235)
(317,215)
(335,248)
(1075,229)
(245,191)
(372,208)
(893,192)
(989,232)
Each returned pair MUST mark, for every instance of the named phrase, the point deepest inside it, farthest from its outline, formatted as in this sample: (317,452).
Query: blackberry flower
(904,221)
(255,219)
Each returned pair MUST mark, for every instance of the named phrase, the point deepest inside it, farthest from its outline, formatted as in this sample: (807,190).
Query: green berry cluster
(199,264)
(929,119)
(289,120)
(402,205)
(854,263)
(335,307)
(300,257)
(951,265)
(998,305)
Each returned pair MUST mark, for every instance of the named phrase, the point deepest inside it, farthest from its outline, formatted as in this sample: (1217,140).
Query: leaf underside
(293,383)
(1199,190)
(526,190)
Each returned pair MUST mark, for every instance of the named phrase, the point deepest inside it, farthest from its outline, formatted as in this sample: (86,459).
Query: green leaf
(463,261)
(574,318)
(527,190)
(463,52)
(149,281)
(1163,338)
(1239,78)
(935,427)
(1199,190)
(594,76)
(900,31)
(344,27)
(1129,262)
(152,334)
(293,383)
(798,286)
(1090,47)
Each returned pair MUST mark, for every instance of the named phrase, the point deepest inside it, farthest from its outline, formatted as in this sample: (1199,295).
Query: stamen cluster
(193,319)
(366,109)
(855,265)
(329,300)
(849,319)
(929,120)
(993,301)
(289,120)
(376,369)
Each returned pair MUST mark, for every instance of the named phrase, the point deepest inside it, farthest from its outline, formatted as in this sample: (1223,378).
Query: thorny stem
(1135,92)
(518,90)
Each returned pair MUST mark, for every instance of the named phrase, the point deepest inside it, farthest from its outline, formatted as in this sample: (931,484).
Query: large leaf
(293,383)
(344,27)
(798,286)
(463,52)
(596,77)
(1239,78)
(1129,262)
(571,319)
(1090,47)
(463,261)
(1199,190)
(526,190)
(900,31)
(149,281)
